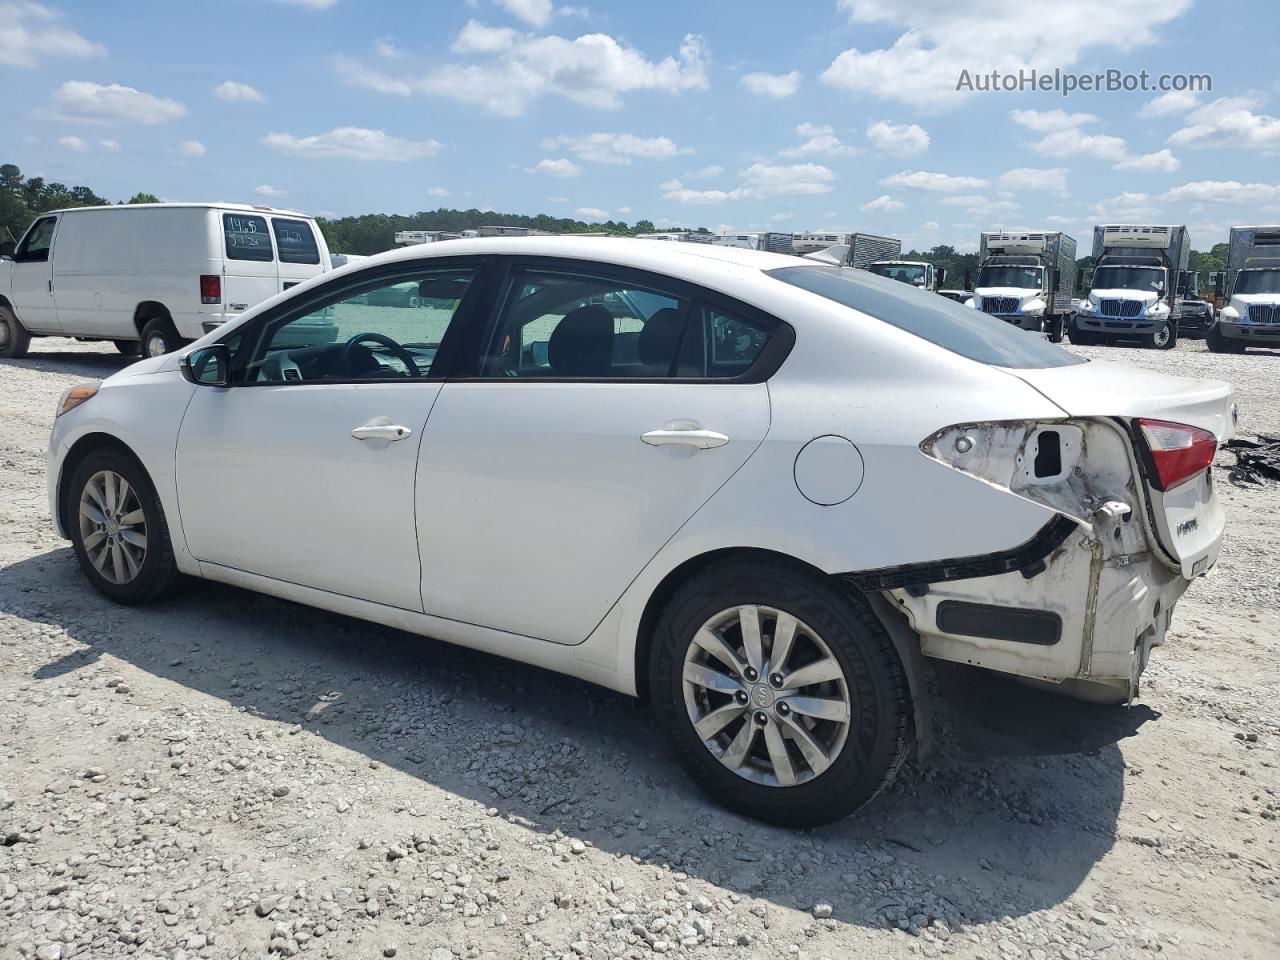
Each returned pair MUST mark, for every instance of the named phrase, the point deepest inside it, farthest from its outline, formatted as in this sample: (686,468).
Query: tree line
(24,199)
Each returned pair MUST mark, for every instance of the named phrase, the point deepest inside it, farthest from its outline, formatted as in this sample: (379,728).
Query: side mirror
(209,366)
(7,250)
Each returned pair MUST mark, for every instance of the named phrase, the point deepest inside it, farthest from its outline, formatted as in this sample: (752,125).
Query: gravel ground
(226,775)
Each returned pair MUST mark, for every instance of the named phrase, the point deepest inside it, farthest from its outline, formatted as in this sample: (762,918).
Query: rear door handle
(689,437)
(381,431)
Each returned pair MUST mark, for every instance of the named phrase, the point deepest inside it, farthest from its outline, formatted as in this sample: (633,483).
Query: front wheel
(126,347)
(781,693)
(1055,325)
(159,337)
(1217,343)
(1082,338)
(118,529)
(14,339)
(1165,338)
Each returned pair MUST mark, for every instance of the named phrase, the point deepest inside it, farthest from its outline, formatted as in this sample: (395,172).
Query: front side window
(246,237)
(962,330)
(296,241)
(385,328)
(36,244)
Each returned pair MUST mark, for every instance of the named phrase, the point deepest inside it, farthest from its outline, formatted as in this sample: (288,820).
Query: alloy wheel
(766,695)
(113,527)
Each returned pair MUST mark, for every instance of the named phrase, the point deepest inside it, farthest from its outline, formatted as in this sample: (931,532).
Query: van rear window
(246,237)
(295,241)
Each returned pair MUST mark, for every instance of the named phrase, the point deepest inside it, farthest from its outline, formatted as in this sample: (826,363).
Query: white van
(159,274)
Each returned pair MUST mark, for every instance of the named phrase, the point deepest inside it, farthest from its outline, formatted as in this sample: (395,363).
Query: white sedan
(760,491)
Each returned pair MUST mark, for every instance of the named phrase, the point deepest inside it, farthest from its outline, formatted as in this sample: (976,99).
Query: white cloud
(592,213)
(476,37)
(1053,180)
(73,143)
(619,148)
(1224,191)
(898,139)
(819,141)
(1046,120)
(266,190)
(232,91)
(437,192)
(31,33)
(84,100)
(1175,101)
(536,13)
(561,167)
(624,210)
(677,192)
(385,47)
(781,217)
(352,143)
(883,204)
(939,37)
(1162,161)
(706,173)
(1073,142)
(557,199)
(768,180)
(1128,206)
(110,146)
(1229,122)
(191,148)
(593,70)
(964,200)
(775,85)
(938,182)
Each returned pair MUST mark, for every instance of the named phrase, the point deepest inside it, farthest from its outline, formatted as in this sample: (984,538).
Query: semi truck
(1251,316)
(1139,277)
(1027,279)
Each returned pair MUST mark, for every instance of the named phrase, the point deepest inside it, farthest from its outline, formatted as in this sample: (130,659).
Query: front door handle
(685,436)
(381,431)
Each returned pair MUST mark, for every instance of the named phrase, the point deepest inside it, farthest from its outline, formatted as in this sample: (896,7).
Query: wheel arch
(149,310)
(82,448)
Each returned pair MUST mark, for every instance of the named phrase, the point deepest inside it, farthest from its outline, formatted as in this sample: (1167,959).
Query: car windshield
(900,272)
(962,330)
(1128,278)
(1258,281)
(1010,276)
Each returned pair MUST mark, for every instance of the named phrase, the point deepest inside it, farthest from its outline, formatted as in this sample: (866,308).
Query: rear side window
(246,237)
(962,330)
(295,241)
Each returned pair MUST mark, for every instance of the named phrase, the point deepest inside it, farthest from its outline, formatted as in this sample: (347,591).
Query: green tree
(643,226)
(144,198)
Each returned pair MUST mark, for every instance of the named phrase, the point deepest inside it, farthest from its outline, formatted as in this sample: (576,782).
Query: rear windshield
(246,237)
(295,241)
(963,330)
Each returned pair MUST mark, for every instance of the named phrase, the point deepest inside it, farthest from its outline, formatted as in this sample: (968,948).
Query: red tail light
(1178,451)
(210,288)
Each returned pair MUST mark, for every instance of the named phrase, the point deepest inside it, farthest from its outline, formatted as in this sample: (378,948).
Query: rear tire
(14,339)
(129,557)
(858,756)
(1055,329)
(1166,338)
(127,347)
(159,337)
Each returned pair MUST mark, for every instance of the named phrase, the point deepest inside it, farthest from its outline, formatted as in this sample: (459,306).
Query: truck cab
(1021,279)
(1251,316)
(915,272)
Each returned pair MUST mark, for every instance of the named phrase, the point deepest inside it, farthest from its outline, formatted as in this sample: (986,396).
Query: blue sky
(824,115)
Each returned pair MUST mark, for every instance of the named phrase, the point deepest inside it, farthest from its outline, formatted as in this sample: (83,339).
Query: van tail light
(1177,451)
(210,288)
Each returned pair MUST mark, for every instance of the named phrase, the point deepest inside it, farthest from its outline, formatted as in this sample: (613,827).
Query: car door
(250,271)
(300,253)
(31,286)
(303,469)
(602,408)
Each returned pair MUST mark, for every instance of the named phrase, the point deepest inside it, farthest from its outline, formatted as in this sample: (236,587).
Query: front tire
(1166,338)
(14,339)
(118,529)
(781,693)
(159,337)
(1055,329)
(127,347)
(1217,343)
(1080,337)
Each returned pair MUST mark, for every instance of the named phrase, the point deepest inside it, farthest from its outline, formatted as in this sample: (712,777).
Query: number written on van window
(296,242)
(246,237)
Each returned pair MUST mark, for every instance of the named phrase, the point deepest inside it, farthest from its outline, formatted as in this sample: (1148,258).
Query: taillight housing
(1176,451)
(210,288)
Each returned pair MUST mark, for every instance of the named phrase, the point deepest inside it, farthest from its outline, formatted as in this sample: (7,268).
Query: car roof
(245,207)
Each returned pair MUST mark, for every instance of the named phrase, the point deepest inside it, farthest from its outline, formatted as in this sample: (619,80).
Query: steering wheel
(400,352)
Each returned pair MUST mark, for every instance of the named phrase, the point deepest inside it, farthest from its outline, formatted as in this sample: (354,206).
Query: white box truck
(918,273)
(1139,274)
(1251,315)
(155,274)
(1027,279)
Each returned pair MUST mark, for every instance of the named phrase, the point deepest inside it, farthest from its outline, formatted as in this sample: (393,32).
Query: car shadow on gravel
(971,834)
(85,363)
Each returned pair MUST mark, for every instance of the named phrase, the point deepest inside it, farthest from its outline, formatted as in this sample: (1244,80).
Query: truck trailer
(1139,275)
(1251,316)
(1027,279)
